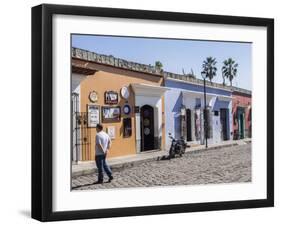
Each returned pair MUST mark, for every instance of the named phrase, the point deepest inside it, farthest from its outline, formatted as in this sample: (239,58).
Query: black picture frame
(107,97)
(42,107)
(115,119)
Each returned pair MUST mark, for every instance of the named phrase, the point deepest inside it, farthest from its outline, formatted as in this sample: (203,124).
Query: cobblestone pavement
(224,165)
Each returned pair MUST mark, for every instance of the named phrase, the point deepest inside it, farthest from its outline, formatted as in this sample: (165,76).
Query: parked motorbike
(177,147)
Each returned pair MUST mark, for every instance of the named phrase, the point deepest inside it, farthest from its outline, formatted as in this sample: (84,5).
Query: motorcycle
(177,147)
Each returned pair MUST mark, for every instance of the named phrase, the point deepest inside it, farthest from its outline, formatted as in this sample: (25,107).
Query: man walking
(103,144)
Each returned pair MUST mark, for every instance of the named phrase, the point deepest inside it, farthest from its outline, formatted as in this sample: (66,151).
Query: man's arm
(109,144)
(104,151)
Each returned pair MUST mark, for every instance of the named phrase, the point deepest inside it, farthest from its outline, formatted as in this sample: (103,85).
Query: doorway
(188,125)
(147,128)
(223,119)
(241,122)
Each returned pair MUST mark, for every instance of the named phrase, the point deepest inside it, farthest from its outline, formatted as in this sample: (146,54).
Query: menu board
(93,115)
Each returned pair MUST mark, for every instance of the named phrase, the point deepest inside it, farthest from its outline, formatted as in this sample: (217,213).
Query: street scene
(159,112)
(223,165)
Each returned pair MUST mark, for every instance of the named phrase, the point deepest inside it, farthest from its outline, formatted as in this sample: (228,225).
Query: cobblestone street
(223,165)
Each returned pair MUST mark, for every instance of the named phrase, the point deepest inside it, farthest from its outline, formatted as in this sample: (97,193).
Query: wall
(112,79)
(15,168)
(179,95)
(244,101)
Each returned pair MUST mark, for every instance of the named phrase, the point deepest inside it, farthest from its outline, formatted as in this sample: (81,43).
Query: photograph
(150,112)
(175,112)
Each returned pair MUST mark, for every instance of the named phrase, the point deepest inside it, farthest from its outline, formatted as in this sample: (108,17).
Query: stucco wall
(114,79)
(174,101)
(245,102)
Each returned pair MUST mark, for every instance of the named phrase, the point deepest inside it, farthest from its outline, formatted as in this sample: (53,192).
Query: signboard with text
(93,115)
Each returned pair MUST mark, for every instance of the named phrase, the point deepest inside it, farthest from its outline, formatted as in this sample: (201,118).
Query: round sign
(125,92)
(146,131)
(127,109)
(93,96)
(146,122)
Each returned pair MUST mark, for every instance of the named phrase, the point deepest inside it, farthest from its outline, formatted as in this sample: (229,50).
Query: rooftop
(144,68)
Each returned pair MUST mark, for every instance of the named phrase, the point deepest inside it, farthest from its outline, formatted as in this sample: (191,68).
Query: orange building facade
(125,97)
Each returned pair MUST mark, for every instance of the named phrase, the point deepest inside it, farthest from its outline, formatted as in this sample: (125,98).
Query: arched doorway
(147,128)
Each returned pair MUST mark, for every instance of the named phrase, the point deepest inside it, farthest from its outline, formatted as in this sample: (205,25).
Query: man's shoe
(110,179)
(98,182)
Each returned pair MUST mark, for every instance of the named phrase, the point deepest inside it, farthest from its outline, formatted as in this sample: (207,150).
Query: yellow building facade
(126,98)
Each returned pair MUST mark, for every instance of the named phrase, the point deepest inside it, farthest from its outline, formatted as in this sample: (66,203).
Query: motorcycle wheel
(172,154)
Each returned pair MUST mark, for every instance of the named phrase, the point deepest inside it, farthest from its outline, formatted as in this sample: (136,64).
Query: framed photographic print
(201,91)
(111,114)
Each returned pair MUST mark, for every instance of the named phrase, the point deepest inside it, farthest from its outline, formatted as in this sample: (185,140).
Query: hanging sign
(111,97)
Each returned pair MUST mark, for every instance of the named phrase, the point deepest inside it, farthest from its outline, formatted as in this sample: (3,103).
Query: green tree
(158,64)
(229,70)
(209,68)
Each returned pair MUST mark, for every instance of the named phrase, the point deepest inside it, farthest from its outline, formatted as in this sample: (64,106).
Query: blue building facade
(184,104)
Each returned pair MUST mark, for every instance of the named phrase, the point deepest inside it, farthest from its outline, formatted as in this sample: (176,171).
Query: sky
(175,55)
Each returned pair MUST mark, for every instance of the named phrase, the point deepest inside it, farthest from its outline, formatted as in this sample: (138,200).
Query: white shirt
(103,139)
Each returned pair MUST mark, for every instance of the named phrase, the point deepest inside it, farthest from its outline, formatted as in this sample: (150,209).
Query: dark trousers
(102,166)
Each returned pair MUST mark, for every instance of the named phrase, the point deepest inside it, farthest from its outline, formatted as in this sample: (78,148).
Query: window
(197,103)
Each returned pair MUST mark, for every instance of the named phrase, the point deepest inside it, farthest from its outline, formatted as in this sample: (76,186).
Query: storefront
(184,106)
(126,97)
(242,111)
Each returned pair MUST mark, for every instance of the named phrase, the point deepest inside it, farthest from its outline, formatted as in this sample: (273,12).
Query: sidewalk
(89,167)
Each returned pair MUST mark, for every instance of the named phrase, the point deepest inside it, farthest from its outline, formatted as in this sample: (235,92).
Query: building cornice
(112,61)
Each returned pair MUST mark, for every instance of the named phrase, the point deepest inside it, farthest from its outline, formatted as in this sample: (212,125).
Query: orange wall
(114,79)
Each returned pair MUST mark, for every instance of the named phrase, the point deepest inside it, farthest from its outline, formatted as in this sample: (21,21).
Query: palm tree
(209,68)
(229,70)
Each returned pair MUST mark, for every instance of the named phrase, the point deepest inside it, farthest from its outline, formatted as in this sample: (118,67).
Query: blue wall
(173,104)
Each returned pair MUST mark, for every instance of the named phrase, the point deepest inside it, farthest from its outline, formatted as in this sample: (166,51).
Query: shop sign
(127,127)
(111,132)
(93,115)
(93,96)
(111,97)
(127,109)
(125,93)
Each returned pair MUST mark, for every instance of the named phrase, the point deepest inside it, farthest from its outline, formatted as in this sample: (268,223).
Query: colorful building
(139,105)
(126,97)
(184,106)
(242,111)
